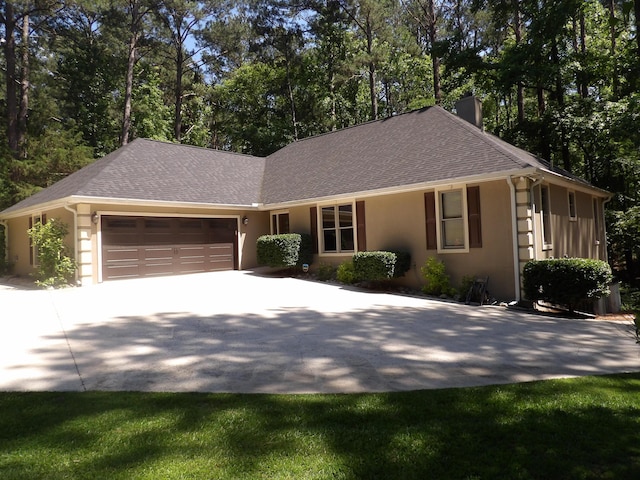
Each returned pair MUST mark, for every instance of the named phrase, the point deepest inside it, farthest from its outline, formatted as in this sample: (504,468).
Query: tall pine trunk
(23,111)
(372,72)
(134,37)
(432,31)
(177,124)
(11,78)
(517,27)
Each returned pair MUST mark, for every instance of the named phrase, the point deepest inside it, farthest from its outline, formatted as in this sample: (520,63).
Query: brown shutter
(430,215)
(475,225)
(314,227)
(44,218)
(362,230)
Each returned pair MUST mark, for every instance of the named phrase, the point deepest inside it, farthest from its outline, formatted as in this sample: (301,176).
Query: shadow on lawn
(585,429)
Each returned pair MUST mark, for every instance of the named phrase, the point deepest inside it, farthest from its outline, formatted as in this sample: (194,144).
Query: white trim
(543,229)
(320,229)
(514,233)
(465,218)
(276,212)
(572,193)
(75,240)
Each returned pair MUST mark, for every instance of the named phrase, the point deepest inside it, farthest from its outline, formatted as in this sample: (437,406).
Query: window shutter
(430,214)
(314,227)
(475,225)
(362,231)
(44,218)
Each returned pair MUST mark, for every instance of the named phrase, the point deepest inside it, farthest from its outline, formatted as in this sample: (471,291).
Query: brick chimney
(469,108)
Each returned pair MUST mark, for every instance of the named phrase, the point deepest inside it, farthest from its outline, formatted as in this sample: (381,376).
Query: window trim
(573,215)
(546,232)
(595,202)
(321,229)
(277,213)
(464,218)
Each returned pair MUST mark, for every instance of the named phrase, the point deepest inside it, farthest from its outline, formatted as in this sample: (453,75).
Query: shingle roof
(159,171)
(426,145)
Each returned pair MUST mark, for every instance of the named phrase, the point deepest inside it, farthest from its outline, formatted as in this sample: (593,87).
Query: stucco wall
(19,244)
(398,222)
(572,238)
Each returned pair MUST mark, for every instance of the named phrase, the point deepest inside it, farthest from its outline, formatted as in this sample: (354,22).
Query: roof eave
(78,199)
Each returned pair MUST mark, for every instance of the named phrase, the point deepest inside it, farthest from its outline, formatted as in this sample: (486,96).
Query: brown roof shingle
(160,171)
(426,145)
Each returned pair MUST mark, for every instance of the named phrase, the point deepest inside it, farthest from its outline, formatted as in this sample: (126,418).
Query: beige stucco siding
(569,237)
(18,251)
(397,222)
(496,257)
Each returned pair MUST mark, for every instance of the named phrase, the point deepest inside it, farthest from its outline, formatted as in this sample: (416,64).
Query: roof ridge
(350,127)
(196,147)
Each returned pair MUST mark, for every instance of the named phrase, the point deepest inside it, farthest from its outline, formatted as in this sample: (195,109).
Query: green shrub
(326,272)
(306,250)
(465,285)
(346,273)
(374,266)
(436,280)
(566,281)
(55,267)
(403,263)
(279,250)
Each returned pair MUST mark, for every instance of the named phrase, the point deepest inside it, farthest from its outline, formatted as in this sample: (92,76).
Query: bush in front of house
(285,250)
(436,280)
(374,266)
(566,281)
(55,267)
(279,250)
(403,263)
(346,273)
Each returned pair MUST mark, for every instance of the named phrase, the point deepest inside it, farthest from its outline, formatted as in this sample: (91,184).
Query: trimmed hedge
(374,266)
(566,281)
(403,263)
(286,250)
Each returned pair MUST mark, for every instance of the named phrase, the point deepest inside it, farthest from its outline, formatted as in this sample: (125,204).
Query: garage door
(153,246)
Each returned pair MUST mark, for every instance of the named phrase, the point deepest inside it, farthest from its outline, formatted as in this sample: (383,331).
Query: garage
(134,247)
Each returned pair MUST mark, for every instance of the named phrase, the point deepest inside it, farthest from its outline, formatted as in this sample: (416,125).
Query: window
(337,229)
(572,206)
(280,223)
(453,219)
(452,235)
(596,220)
(545,214)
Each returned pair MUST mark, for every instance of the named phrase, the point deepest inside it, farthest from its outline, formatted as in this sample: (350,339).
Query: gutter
(75,236)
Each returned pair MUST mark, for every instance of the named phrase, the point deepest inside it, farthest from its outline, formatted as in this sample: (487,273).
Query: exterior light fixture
(245,220)
(95,218)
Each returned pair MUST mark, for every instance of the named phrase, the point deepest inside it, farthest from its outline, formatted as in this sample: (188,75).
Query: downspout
(514,231)
(75,236)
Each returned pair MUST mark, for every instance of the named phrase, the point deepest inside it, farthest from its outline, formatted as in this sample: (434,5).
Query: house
(428,182)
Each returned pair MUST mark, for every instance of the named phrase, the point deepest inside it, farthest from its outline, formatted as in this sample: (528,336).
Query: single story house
(429,182)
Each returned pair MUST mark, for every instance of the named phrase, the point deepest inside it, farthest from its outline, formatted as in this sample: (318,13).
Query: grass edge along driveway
(572,428)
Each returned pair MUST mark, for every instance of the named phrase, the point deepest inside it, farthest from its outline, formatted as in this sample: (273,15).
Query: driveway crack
(66,338)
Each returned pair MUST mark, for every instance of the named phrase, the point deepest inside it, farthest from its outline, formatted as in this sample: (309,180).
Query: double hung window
(337,229)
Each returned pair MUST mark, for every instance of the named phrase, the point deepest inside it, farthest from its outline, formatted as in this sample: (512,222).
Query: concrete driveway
(242,332)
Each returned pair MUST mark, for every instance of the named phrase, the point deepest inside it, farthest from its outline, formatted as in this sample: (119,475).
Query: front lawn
(570,429)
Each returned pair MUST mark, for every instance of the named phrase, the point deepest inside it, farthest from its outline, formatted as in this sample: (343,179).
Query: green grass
(578,429)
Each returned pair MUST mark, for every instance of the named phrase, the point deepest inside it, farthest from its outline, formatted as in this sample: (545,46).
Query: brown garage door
(152,246)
